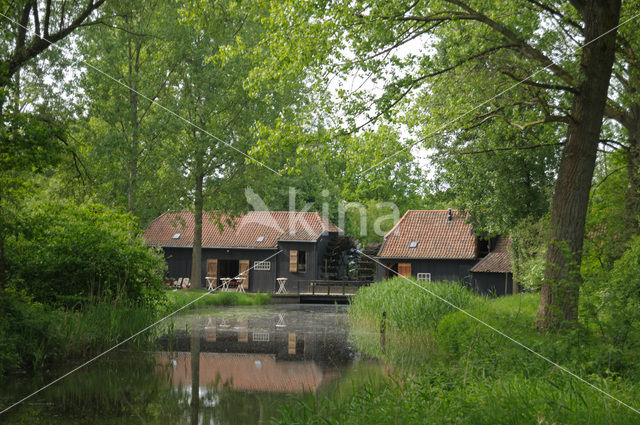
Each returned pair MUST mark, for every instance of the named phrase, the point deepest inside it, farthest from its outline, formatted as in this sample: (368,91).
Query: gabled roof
(255,229)
(497,261)
(429,234)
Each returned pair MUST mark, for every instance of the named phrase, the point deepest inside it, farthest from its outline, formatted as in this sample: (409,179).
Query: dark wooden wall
(312,261)
(492,283)
(179,261)
(451,270)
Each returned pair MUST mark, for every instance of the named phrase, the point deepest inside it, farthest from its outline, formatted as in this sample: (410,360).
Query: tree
(123,137)
(512,39)
(212,95)
(49,23)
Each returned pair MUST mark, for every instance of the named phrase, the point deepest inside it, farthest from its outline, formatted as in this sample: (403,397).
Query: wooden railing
(313,287)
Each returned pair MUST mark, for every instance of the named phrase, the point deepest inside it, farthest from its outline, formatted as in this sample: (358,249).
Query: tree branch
(525,48)
(529,82)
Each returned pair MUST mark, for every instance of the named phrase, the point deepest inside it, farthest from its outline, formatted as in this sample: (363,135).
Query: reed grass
(446,367)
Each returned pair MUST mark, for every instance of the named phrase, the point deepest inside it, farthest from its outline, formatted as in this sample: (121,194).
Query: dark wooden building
(269,244)
(439,245)
(492,275)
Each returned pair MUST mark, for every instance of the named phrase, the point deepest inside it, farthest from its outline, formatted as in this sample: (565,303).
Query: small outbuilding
(492,275)
(441,245)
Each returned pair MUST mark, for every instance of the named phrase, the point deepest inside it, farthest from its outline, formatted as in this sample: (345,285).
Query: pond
(223,365)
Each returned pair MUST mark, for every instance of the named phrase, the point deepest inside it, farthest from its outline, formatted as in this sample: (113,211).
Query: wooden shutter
(291,343)
(243,271)
(243,331)
(404,269)
(293,260)
(212,267)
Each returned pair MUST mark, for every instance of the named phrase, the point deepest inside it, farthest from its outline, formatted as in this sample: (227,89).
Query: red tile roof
(497,261)
(436,236)
(249,372)
(241,232)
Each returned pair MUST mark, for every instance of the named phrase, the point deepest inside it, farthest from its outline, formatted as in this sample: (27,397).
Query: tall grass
(449,368)
(407,306)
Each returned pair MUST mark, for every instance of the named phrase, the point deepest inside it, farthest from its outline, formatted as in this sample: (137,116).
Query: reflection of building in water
(286,352)
(249,372)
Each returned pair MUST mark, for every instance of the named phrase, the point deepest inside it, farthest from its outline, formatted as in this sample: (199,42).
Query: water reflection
(285,352)
(218,366)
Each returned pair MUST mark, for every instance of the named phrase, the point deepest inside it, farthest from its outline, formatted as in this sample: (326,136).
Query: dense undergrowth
(443,366)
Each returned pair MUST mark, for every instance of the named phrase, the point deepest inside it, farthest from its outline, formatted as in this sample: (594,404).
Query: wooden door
(293,260)
(404,269)
(243,270)
(212,269)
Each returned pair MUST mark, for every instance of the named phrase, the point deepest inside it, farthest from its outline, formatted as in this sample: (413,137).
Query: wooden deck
(309,298)
(319,292)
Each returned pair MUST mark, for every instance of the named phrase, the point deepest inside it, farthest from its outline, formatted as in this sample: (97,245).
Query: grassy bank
(177,299)
(450,368)
(34,335)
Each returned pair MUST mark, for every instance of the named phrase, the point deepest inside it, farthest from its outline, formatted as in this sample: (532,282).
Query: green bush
(26,336)
(66,254)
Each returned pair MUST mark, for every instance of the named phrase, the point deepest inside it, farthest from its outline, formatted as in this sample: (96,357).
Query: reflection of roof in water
(249,372)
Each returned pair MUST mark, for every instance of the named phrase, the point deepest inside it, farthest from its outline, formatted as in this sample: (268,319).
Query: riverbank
(34,335)
(446,367)
(177,299)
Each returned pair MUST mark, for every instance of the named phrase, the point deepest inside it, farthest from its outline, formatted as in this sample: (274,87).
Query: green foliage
(68,253)
(407,305)
(33,335)
(528,253)
(469,373)
(617,302)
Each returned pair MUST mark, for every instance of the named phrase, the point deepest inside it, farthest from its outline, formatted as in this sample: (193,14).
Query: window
(297,261)
(302,261)
(426,277)
(175,236)
(261,336)
(260,239)
(262,265)
(413,244)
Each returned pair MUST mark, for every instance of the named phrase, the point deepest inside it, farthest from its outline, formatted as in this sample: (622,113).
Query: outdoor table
(281,283)
(211,281)
(240,286)
(225,283)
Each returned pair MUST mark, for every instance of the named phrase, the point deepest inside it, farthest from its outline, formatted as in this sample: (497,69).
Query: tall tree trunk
(561,286)
(3,273)
(132,163)
(196,265)
(633,171)
(195,373)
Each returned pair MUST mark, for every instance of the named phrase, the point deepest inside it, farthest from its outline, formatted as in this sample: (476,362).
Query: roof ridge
(397,223)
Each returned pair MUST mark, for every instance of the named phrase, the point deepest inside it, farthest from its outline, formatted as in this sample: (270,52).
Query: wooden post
(383,331)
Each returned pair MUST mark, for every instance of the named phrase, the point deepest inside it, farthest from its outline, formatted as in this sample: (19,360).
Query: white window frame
(425,277)
(261,336)
(262,265)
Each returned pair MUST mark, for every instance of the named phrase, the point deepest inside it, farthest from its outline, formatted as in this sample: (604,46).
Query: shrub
(68,253)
